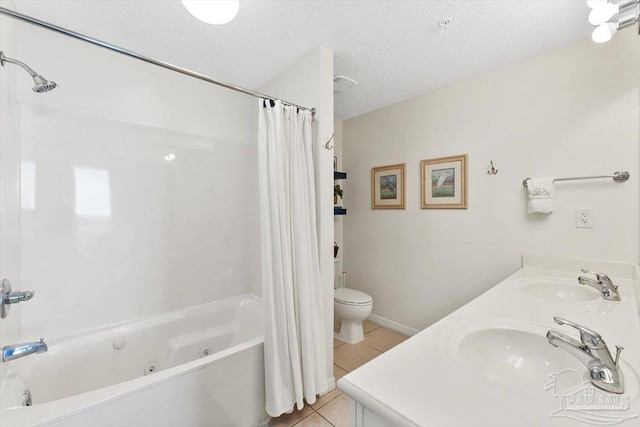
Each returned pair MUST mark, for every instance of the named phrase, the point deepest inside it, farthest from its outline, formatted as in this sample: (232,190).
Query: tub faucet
(16,351)
(592,351)
(603,283)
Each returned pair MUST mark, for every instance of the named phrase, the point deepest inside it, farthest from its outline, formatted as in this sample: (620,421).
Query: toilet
(351,307)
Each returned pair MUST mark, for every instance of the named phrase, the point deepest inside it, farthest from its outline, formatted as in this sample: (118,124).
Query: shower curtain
(295,359)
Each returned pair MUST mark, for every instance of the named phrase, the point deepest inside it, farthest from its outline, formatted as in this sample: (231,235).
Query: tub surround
(463,369)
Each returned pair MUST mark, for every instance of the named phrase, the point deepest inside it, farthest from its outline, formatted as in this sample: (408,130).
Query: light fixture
(610,17)
(602,13)
(604,32)
(216,12)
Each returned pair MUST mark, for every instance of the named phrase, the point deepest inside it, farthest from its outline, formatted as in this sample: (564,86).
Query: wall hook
(493,170)
(329,142)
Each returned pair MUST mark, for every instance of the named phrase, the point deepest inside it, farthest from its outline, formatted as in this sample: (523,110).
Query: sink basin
(562,291)
(516,357)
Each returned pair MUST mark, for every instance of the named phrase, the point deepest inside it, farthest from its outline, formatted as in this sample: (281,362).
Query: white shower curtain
(295,359)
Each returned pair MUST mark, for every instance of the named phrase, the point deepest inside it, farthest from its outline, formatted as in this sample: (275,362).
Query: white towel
(540,195)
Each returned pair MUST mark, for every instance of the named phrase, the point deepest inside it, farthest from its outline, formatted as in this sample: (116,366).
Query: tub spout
(16,351)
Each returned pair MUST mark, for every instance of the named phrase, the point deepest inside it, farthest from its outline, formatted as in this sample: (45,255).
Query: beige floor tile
(338,372)
(288,420)
(337,412)
(369,326)
(352,356)
(323,400)
(383,339)
(314,420)
(337,342)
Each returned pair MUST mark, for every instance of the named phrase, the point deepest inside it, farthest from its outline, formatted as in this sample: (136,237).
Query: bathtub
(203,365)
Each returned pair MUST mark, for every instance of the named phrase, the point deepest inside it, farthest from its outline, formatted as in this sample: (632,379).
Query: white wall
(309,82)
(571,112)
(109,229)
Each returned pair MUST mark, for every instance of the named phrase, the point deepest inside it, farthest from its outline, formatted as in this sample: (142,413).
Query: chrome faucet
(592,351)
(16,351)
(602,283)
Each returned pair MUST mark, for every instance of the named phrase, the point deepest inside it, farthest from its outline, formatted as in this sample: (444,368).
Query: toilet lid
(351,296)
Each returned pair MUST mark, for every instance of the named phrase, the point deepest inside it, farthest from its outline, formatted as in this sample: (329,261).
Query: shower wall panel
(138,189)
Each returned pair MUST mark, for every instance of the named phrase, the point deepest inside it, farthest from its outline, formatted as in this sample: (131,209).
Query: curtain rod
(187,72)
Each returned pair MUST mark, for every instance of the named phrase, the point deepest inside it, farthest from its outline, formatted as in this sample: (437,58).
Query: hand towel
(540,195)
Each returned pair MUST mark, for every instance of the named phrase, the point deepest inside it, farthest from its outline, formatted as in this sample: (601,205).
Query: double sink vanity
(540,348)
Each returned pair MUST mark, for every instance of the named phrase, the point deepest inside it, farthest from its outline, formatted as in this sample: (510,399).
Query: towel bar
(618,176)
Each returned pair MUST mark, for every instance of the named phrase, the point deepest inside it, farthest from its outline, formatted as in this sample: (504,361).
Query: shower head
(42,84)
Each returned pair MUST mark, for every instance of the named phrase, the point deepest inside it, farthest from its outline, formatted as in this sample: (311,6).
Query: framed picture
(444,182)
(387,187)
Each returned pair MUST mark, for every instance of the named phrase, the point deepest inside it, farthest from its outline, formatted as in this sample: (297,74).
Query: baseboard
(394,326)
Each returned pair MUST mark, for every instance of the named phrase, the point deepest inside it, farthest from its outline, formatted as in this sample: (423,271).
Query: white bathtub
(86,380)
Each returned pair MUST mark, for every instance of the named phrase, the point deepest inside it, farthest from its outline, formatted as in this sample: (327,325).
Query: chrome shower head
(42,84)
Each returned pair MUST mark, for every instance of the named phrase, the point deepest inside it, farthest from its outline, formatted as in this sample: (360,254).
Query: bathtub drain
(151,368)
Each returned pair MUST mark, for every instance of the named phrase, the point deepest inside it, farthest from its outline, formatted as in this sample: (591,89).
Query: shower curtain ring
(328,142)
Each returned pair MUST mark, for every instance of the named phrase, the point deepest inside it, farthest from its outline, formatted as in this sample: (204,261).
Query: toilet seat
(351,297)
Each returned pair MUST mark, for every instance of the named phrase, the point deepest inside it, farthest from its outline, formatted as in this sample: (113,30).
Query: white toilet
(351,307)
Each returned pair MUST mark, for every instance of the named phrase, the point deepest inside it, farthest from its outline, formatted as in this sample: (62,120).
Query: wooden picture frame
(444,183)
(388,188)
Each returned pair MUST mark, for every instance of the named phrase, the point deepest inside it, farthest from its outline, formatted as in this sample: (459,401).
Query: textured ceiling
(394,49)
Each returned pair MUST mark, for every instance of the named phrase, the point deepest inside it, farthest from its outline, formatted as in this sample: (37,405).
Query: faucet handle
(601,277)
(587,336)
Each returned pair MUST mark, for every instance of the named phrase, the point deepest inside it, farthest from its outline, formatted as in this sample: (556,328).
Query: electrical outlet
(585,218)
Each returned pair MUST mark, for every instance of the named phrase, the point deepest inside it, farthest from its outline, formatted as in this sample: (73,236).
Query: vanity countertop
(489,363)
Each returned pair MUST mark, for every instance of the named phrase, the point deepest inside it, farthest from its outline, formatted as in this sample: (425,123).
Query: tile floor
(332,409)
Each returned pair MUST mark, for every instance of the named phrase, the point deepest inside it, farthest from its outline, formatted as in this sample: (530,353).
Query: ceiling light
(216,12)
(604,32)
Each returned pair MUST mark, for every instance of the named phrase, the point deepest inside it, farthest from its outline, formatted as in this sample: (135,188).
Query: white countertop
(428,381)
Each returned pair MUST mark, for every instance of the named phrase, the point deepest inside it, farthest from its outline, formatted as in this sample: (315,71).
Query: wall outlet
(585,218)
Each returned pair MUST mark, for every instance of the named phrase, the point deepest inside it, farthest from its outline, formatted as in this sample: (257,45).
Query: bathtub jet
(41,84)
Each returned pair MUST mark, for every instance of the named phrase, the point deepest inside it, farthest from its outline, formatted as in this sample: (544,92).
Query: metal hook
(493,170)
(328,142)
